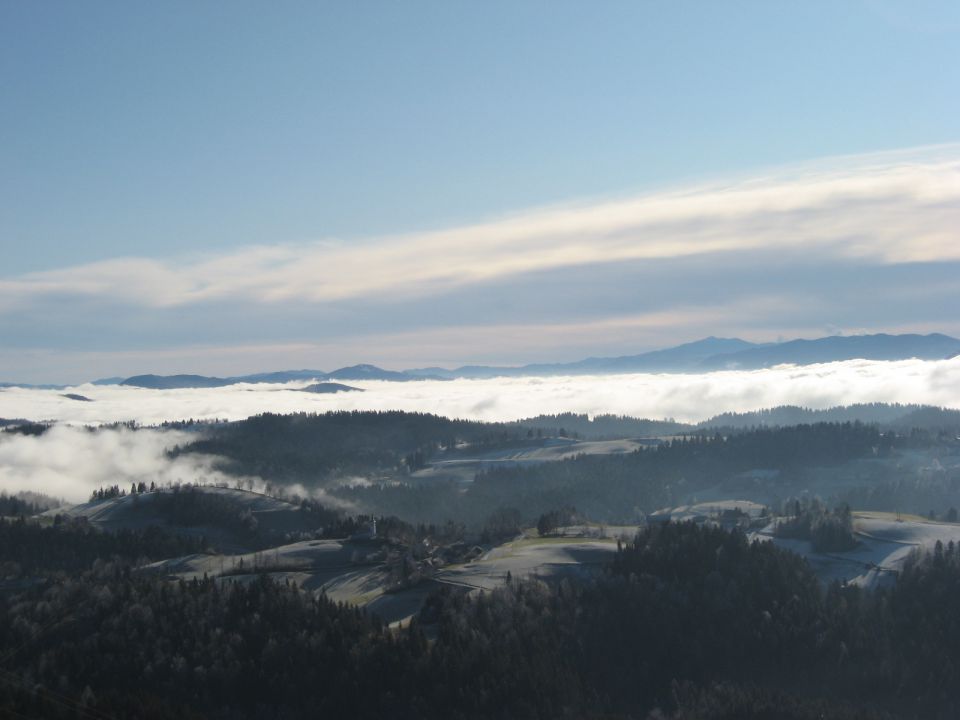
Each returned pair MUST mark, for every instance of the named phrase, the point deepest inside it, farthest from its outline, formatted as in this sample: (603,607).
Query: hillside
(227,519)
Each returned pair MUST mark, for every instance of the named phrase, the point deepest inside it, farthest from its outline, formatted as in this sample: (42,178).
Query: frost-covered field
(885,544)
(686,397)
(530,556)
(353,572)
(463,467)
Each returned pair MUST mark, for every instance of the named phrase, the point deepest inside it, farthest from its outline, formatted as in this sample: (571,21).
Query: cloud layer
(891,209)
(684,397)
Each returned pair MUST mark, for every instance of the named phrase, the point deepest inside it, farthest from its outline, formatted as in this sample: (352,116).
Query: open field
(463,465)
(357,573)
(707,509)
(527,557)
(363,573)
(885,543)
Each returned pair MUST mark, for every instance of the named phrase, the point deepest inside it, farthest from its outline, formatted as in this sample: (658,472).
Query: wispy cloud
(885,208)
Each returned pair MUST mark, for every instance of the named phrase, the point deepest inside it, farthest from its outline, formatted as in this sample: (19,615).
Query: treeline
(8,422)
(688,622)
(936,492)
(28,427)
(115,491)
(15,427)
(188,506)
(601,427)
(28,549)
(890,416)
(231,518)
(827,530)
(26,504)
(309,448)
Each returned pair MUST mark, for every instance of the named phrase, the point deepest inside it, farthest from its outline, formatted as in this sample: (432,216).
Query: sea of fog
(68,461)
(684,397)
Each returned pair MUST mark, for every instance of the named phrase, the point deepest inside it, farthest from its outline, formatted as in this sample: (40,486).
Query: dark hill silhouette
(171,382)
(281,377)
(888,416)
(354,372)
(369,372)
(329,387)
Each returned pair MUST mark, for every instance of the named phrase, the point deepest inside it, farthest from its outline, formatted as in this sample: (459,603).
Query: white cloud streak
(884,208)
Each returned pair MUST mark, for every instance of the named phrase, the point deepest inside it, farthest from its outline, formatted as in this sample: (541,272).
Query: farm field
(529,557)
(462,465)
(885,543)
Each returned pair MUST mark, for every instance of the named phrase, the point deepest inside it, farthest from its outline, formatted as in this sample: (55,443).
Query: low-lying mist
(71,462)
(684,397)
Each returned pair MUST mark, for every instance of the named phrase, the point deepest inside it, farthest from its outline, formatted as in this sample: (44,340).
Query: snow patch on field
(885,545)
(529,557)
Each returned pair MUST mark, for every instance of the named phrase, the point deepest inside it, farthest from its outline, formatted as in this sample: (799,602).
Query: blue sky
(170,172)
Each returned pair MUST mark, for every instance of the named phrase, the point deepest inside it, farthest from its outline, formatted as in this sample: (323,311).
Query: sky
(226,188)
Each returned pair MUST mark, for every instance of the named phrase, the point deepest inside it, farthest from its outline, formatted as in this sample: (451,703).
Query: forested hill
(306,447)
(616,488)
(384,448)
(687,623)
(887,415)
(602,427)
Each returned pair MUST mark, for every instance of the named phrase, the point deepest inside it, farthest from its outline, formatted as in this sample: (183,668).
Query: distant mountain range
(714,353)
(354,372)
(833,349)
(682,358)
(707,355)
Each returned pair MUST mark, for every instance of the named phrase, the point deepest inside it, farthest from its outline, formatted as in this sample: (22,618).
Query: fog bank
(685,397)
(70,462)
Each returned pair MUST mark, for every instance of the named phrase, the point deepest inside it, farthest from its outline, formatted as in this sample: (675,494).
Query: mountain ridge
(705,355)
(880,346)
